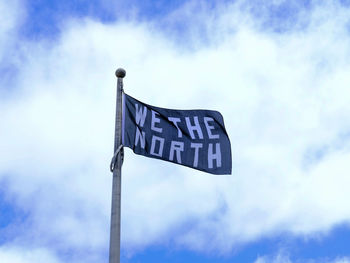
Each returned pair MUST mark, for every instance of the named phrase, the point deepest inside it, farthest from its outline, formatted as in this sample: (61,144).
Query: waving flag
(193,138)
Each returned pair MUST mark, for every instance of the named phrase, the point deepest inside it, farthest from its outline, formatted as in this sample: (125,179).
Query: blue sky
(276,70)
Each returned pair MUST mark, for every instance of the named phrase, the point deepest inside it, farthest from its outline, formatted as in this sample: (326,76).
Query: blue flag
(193,138)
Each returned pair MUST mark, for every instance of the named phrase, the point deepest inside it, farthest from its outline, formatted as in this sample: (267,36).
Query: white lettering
(140,116)
(177,147)
(210,127)
(214,156)
(156,139)
(196,127)
(154,121)
(196,147)
(175,121)
(140,137)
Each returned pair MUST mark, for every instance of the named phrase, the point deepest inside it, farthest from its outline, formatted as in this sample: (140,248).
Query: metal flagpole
(114,243)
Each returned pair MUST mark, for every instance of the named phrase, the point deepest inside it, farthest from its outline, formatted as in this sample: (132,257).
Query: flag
(193,138)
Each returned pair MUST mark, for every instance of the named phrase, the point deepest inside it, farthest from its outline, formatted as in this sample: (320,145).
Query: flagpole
(114,243)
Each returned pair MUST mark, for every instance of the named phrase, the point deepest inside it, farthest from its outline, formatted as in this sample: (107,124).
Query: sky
(277,70)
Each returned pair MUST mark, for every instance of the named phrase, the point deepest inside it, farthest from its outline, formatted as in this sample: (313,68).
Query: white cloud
(12,15)
(284,258)
(22,255)
(10,18)
(284,98)
(279,258)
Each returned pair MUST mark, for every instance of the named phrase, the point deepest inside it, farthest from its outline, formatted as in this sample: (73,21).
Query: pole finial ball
(120,73)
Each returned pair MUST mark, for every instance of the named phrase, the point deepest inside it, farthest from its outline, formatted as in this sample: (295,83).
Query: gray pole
(114,243)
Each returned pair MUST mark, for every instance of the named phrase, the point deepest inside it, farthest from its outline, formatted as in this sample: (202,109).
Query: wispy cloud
(284,258)
(19,255)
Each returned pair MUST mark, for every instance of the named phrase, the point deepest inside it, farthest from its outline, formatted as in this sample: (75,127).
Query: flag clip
(114,158)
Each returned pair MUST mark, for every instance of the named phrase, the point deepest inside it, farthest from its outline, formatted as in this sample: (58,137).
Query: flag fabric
(193,138)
